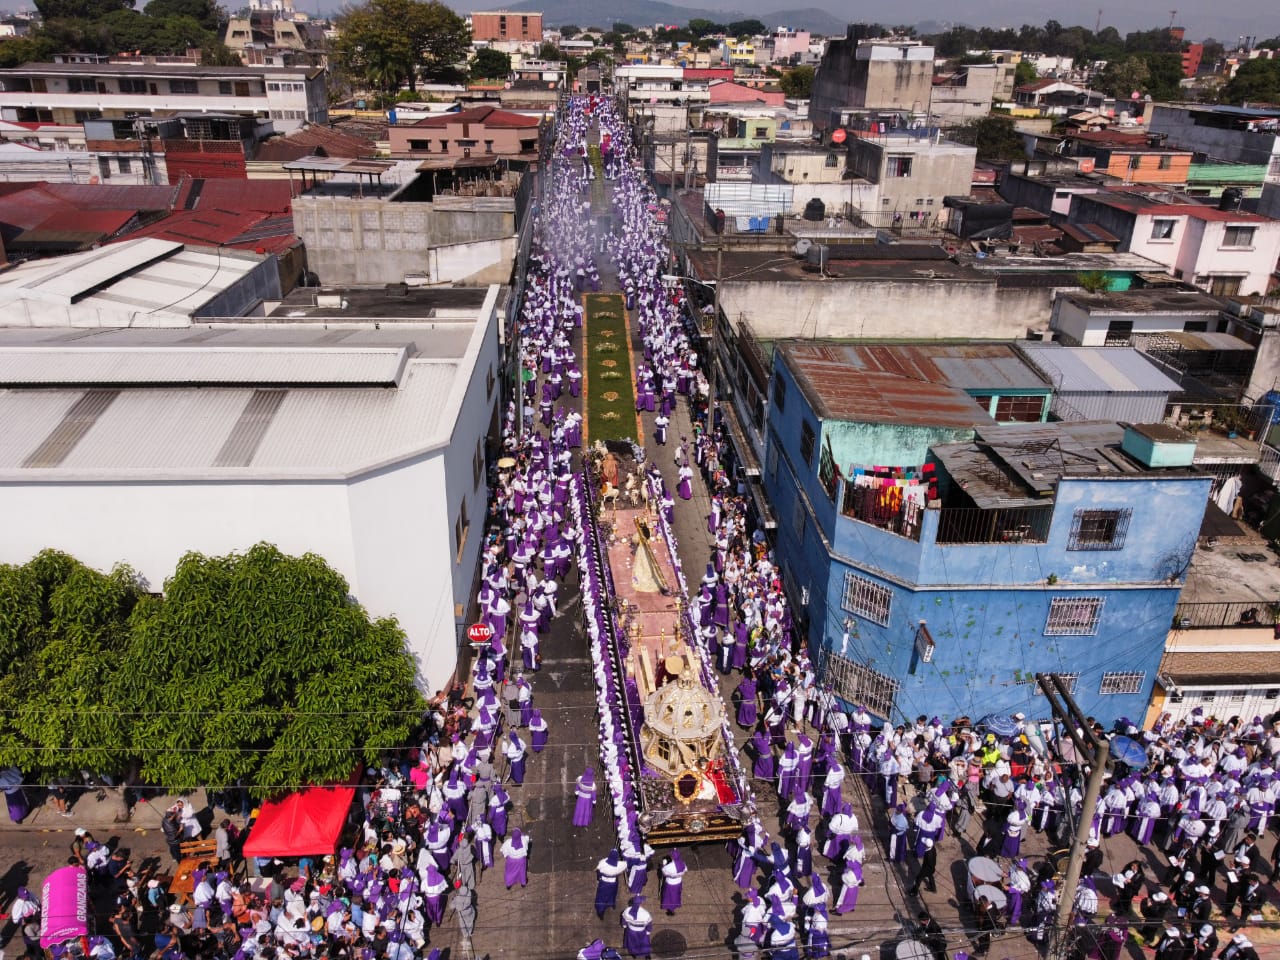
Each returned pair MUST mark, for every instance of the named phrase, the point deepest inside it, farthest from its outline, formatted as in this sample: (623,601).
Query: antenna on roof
(1097,24)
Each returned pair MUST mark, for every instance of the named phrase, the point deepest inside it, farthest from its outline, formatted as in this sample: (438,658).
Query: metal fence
(858,683)
(904,519)
(1212,616)
(973,525)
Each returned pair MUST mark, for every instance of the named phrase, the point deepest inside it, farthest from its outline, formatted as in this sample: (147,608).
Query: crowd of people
(437,817)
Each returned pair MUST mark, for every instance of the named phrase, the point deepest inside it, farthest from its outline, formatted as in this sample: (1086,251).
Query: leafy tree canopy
(255,667)
(995,138)
(1123,78)
(623,28)
(1024,72)
(205,12)
(1256,80)
(797,83)
(570,30)
(80,9)
(385,43)
(701,27)
(746,28)
(491,64)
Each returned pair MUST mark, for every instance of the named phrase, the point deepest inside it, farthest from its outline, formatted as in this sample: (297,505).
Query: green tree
(1256,80)
(570,30)
(491,64)
(746,28)
(995,138)
(39,47)
(255,667)
(701,27)
(623,28)
(384,43)
(797,83)
(1164,75)
(63,630)
(1122,78)
(205,12)
(80,9)
(1024,72)
(259,667)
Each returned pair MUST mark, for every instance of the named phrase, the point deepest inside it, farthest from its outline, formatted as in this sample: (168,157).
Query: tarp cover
(64,910)
(305,823)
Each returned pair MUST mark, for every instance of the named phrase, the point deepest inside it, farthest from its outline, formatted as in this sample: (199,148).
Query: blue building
(939,558)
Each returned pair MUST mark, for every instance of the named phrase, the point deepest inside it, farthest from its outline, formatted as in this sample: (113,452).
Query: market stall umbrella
(995,896)
(1000,724)
(1129,752)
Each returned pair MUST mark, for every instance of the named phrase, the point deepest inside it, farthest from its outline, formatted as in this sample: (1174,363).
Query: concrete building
(648,83)
(479,132)
(351,425)
(1054,98)
(1225,252)
(76,92)
(875,75)
(892,290)
(442,220)
(965,95)
(499,25)
(914,172)
(1113,319)
(939,557)
(788,46)
(1245,135)
(1131,157)
(721,92)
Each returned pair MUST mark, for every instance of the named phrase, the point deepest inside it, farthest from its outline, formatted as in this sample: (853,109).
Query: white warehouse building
(351,424)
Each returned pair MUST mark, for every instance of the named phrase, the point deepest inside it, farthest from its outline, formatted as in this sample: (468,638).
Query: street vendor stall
(300,824)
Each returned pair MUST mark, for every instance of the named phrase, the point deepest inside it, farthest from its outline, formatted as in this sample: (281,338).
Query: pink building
(730,91)
(790,43)
(476,132)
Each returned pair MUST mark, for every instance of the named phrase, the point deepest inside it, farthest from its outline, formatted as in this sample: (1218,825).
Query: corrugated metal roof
(208,433)
(1193,340)
(152,277)
(1097,369)
(870,388)
(198,364)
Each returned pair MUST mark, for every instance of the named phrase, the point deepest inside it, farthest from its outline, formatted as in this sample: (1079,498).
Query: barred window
(1122,682)
(857,683)
(827,473)
(1069,681)
(1099,529)
(867,598)
(1073,617)
(807,440)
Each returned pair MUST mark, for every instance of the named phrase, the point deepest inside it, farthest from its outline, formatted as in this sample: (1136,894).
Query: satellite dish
(802,246)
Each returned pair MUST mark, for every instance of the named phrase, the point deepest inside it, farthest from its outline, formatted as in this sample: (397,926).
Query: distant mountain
(643,13)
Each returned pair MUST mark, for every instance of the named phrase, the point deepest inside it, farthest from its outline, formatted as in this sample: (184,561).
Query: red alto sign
(479,633)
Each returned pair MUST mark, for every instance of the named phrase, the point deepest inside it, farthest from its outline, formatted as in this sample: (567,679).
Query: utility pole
(1091,750)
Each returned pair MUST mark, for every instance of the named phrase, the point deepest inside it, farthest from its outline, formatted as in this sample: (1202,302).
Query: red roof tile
(314,140)
(490,117)
(105,222)
(246,230)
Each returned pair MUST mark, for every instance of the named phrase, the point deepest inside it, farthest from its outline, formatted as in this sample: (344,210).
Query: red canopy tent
(305,823)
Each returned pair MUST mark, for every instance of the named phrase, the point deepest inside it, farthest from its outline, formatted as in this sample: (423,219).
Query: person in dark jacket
(1154,909)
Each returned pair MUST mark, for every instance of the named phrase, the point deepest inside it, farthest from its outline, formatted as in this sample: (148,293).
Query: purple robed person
(850,882)
(585,798)
(537,731)
(673,872)
(762,749)
(637,924)
(515,865)
(746,694)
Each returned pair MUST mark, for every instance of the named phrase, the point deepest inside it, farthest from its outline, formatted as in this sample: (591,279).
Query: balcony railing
(959,525)
(869,505)
(1214,616)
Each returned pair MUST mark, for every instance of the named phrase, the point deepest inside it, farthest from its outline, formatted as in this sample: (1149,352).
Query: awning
(305,823)
(1256,668)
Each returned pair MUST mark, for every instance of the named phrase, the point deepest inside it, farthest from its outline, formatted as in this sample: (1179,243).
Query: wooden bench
(194,853)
